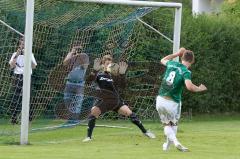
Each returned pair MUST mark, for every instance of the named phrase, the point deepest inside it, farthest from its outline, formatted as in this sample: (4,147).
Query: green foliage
(232,8)
(215,41)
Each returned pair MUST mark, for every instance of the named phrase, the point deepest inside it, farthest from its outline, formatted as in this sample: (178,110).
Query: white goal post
(27,71)
(29,42)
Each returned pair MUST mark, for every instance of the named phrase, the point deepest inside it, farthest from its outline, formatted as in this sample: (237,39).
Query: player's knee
(129,112)
(171,124)
(167,124)
(174,124)
(95,112)
(124,110)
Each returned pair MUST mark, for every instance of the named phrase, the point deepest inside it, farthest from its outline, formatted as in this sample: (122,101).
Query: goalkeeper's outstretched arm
(120,79)
(96,69)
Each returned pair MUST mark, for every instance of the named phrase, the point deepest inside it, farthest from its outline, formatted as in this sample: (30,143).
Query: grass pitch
(206,137)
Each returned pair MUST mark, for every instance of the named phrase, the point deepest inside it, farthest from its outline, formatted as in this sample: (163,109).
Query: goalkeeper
(78,63)
(177,75)
(109,99)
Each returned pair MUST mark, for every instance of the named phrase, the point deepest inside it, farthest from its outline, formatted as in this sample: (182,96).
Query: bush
(215,41)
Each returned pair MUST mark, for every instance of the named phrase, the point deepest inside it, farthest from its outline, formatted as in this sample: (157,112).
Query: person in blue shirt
(77,62)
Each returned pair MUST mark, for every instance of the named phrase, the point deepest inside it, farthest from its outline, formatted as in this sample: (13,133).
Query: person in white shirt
(17,64)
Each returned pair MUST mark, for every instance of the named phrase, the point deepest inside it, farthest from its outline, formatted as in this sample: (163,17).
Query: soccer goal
(137,32)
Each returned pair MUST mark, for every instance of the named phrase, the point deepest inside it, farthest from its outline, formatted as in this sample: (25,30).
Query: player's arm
(13,61)
(71,54)
(120,79)
(96,69)
(172,56)
(68,57)
(193,88)
(34,63)
(122,74)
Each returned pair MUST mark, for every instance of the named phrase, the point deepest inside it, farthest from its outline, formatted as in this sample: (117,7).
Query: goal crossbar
(134,3)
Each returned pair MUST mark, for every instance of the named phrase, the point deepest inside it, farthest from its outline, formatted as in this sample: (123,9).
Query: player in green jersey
(168,104)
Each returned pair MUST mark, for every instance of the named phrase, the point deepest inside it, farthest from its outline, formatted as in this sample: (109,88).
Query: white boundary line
(76,124)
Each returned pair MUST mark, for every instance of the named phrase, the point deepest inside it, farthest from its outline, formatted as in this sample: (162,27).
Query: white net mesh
(99,30)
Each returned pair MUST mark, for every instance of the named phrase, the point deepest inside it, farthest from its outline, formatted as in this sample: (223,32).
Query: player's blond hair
(106,57)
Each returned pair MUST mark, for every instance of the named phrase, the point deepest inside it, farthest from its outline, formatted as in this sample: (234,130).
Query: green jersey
(174,80)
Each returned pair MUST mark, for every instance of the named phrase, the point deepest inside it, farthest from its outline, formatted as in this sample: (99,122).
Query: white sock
(169,132)
(175,128)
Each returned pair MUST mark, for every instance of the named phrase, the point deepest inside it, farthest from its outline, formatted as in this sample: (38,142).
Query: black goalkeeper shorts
(109,101)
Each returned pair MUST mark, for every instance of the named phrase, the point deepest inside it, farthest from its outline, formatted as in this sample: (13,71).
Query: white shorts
(168,110)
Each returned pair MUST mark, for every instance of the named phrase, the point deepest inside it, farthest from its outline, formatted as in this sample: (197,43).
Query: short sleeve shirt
(174,80)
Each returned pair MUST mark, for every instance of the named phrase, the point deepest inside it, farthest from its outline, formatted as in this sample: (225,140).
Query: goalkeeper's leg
(95,112)
(124,110)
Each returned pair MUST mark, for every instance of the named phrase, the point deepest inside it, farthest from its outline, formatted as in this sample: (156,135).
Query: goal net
(138,35)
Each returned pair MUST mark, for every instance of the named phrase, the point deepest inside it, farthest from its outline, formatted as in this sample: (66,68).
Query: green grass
(206,137)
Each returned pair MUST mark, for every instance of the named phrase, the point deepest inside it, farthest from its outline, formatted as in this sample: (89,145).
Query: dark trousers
(73,99)
(16,102)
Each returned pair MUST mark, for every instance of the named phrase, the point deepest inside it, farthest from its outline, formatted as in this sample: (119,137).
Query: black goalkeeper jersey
(107,90)
(104,81)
